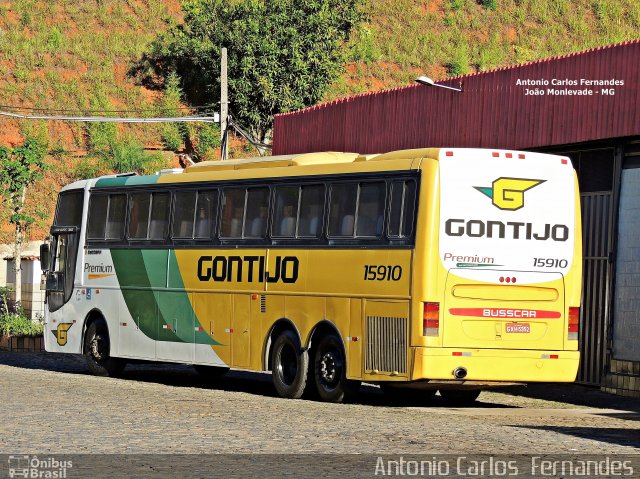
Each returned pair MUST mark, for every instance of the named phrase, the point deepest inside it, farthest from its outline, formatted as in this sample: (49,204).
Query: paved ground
(50,404)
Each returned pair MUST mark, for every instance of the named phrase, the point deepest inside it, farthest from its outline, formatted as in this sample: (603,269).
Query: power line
(99,119)
(62,110)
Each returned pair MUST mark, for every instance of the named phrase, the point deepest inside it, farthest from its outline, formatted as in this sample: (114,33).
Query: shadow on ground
(577,394)
(178,375)
(621,436)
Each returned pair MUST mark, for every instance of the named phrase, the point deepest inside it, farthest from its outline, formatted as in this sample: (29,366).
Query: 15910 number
(374,272)
(549,263)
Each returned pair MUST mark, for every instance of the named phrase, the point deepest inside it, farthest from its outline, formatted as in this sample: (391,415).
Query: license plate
(518,328)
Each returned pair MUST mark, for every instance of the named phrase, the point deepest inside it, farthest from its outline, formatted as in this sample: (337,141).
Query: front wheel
(96,351)
(330,371)
(289,365)
(460,397)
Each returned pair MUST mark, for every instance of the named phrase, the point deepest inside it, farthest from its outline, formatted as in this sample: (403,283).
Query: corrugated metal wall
(597,222)
(493,111)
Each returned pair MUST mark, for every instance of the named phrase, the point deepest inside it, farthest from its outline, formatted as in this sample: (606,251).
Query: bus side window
(139,218)
(232,212)
(342,210)
(116,217)
(183,214)
(311,211)
(206,209)
(401,209)
(97,216)
(255,225)
(371,200)
(159,220)
(285,212)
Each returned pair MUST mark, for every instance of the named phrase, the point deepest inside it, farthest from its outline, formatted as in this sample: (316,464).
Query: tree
(282,54)
(20,167)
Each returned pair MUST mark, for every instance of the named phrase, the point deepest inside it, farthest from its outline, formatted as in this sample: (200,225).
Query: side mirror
(44,257)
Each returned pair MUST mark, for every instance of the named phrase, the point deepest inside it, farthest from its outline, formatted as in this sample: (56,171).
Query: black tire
(210,372)
(406,396)
(460,397)
(289,365)
(330,371)
(96,350)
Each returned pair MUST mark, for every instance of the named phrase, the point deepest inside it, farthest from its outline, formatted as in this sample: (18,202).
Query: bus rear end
(505,304)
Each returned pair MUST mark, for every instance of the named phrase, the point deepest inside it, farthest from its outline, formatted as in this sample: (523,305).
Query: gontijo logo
(61,333)
(508,193)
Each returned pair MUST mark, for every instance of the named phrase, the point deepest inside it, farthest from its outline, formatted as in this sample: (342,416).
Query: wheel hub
(328,367)
(97,346)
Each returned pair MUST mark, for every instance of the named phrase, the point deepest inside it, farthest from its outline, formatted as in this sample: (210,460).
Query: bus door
(60,278)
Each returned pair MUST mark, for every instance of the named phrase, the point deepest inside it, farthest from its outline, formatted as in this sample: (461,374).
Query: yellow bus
(438,269)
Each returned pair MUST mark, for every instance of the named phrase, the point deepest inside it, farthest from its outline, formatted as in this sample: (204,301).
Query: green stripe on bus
(136,290)
(127,181)
(160,315)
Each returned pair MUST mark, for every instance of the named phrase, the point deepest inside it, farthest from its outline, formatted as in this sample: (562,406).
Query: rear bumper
(496,364)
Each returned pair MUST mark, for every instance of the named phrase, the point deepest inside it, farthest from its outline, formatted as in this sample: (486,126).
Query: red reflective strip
(573,328)
(553,356)
(509,155)
(456,353)
(449,153)
(563,161)
(495,154)
(521,156)
(504,313)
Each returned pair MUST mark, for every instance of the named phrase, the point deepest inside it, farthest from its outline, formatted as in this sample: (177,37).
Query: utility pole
(224,106)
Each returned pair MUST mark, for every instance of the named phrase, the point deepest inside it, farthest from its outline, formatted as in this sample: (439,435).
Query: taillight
(431,319)
(574,323)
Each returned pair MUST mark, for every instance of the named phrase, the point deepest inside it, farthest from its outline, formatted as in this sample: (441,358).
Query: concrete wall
(32,298)
(623,375)
(626,317)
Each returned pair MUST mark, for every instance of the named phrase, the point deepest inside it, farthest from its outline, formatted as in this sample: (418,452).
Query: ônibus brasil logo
(508,193)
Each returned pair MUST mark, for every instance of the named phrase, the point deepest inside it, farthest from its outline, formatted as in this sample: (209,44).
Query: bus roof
(301,164)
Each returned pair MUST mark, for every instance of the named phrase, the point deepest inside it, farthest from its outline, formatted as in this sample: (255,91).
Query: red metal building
(584,105)
(492,111)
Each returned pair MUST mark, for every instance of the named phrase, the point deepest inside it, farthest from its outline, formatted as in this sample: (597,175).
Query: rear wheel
(96,351)
(330,371)
(289,365)
(460,397)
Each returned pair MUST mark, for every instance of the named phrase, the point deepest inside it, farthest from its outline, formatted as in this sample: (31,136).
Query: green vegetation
(21,167)
(16,323)
(452,37)
(282,55)
(88,55)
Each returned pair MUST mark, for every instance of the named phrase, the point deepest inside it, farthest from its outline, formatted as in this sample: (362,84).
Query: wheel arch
(92,316)
(323,328)
(278,326)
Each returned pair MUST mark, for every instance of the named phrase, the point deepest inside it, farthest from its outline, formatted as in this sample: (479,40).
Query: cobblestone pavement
(50,404)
